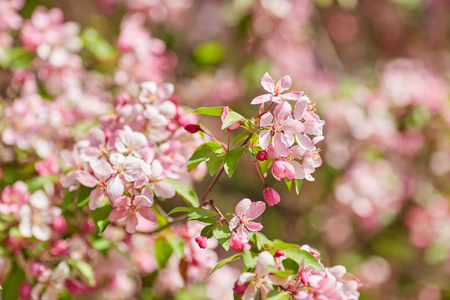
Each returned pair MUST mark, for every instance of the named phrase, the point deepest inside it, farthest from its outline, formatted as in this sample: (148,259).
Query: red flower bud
(201,241)
(239,289)
(278,253)
(262,155)
(271,196)
(59,225)
(192,128)
(25,291)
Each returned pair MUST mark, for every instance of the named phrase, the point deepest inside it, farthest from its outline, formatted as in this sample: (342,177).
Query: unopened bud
(201,241)
(278,253)
(239,289)
(25,291)
(37,268)
(59,225)
(262,155)
(271,196)
(192,128)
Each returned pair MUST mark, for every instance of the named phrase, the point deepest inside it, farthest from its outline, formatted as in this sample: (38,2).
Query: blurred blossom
(373,272)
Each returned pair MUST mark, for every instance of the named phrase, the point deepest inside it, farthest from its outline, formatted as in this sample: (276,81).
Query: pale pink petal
(147,213)
(266,120)
(300,108)
(282,111)
(102,170)
(96,137)
(299,171)
(262,99)
(165,90)
(41,232)
(250,293)
(164,189)
(118,213)
(264,259)
(142,201)
(96,198)
(131,223)
(292,127)
(122,201)
(285,83)
(252,226)
(278,144)
(304,141)
(39,199)
(264,139)
(255,210)
(243,206)
(267,83)
(233,223)
(292,95)
(245,277)
(86,179)
(115,188)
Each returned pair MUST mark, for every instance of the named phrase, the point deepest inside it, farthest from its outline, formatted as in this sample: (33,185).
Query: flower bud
(59,225)
(37,268)
(192,128)
(75,287)
(25,291)
(239,289)
(262,155)
(224,114)
(278,253)
(271,196)
(201,241)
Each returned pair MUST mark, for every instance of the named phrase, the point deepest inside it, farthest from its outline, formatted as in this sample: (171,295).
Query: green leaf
(185,191)
(99,46)
(298,185)
(207,231)
(265,166)
(163,250)
(201,213)
(15,58)
(83,196)
(262,241)
(250,258)
(222,233)
(210,111)
(177,245)
(231,118)
(100,218)
(37,183)
(11,285)
(101,244)
(288,183)
(302,256)
(251,152)
(84,268)
(69,199)
(278,244)
(214,161)
(231,160)
(241,136)
(196,158)
(209,53)
(181,209)
(276,295)
(225,261)
(280,273)
(289,264)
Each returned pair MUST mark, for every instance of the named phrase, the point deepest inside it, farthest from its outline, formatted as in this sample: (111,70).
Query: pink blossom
(282,169)
(13,197)
(275,90)
(246,211)
(25,291)
(239,243)
(201,241)
(48,166)
(271,196)
(127,208)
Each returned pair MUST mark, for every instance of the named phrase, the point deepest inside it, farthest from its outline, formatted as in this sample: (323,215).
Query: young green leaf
(241,136)
(231,160)
(181,209)
(185,191)
(163,250)
(84,268)
(302,256)
(298,185)
(276,295)
(201,213)
(100,217)
(288,183)
(251,152)
(177,245)
(214,161)
(225,261)
(222,233)
(250,258)
(210,111)
(231,118)
(207,231)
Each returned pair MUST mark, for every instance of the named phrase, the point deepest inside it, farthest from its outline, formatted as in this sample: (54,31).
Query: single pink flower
(275,90)
(246,211)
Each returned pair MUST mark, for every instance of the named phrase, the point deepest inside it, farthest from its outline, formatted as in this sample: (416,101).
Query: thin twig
(177,220)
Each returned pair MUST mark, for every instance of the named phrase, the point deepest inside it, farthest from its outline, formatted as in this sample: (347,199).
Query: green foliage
(100,47)
(209,53)
(163,250)
(231,160)
(100,217)
(185,191)
(83,196)
(222,233)
(205,152)
(250,258)
(298,185)
(231,118)
(11,285)
(15,58)
(200,214)
(301,256)
(276,295)
(84,269)
(210,111)
(225,261)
